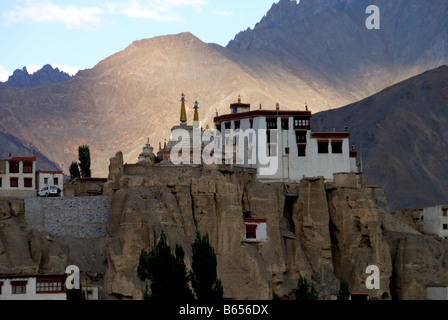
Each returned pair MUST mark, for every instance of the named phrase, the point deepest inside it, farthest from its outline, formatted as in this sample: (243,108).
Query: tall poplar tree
(204,276)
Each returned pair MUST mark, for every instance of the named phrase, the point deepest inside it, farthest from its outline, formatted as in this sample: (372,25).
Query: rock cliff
(316,229)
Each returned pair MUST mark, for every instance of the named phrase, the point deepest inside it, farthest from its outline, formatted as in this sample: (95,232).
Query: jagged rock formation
(325,232)
(327,40)
(46,75)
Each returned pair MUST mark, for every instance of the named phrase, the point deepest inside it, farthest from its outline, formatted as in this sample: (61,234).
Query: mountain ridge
(46,75)
(403,138)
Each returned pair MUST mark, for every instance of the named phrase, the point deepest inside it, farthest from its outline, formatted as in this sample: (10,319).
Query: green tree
(84,161)
(203,276)
(344,290)
(74,170)
(167,273)
(304,291)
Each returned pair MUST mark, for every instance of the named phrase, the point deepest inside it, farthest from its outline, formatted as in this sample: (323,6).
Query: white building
(18,177)
(435,220)
(50,178)
(300,153)
(256,230)
(33,288)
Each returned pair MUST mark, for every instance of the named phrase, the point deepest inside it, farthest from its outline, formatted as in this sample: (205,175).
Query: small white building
(50,178)
(288,137)
(33,288)
(256,230)
(18,177)
(434,220)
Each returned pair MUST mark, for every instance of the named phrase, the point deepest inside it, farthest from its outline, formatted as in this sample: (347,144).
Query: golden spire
(183,112)
(196,114)
(239,98)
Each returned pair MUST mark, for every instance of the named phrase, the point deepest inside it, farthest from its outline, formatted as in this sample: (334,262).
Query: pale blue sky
(80,33)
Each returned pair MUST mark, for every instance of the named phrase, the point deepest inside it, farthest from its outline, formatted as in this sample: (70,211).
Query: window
(445,226)
(285,124)
(301,123)
(56,181)
(0,182)
(251,123)
(18,287)
(13,167)
(1,285)
(28,182)
(322,147)
(301,148)
(45,180)
(227,125)
(237,125)
(27,167)
(14,182)
(251,231)
(300,136)
(444,210)
(271,123)
(336,146)
(49,285)
(218,127)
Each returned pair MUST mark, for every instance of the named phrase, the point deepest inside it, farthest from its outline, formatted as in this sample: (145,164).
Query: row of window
(271,124)
(322,147)
(42,286)
(14,182)
(14,167)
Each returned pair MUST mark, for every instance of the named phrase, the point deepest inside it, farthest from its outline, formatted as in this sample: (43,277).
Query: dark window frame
(15,184)
(323,147)
(301,150)
(27,167)
(27,182)
(336,147)
(14,167)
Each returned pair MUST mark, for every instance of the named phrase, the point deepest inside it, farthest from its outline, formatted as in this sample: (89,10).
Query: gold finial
(196,114)
(239,98)
(183,112)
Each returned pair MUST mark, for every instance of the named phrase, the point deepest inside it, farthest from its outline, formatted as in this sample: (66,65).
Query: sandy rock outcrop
(313,231)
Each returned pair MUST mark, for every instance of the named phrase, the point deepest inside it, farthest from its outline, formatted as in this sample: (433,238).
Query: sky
(77,34)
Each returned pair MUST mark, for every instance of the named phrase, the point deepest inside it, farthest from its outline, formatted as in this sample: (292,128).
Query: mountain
(11,145)
(327,43)
(404,138)
(290,57)
(47,74)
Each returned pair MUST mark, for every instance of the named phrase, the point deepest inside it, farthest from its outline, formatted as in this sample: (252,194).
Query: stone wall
(80,217)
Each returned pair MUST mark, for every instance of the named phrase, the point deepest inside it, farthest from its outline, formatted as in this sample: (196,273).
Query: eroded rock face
(358,240)
(319,233)
(317,230)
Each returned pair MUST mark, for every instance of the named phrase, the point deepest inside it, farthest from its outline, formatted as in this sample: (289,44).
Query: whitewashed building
(33,288)
(434,220)
(18,177)
(288,137)
(50,178)
(256,230)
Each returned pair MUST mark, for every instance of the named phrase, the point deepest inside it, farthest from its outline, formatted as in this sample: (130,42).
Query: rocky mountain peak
(46,75)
